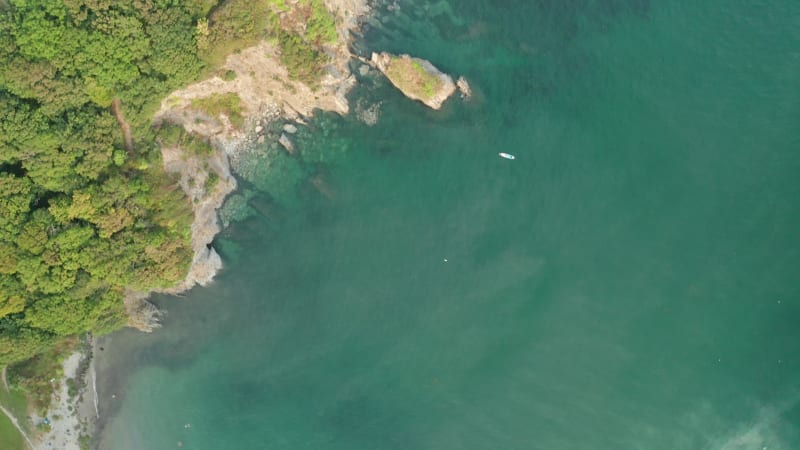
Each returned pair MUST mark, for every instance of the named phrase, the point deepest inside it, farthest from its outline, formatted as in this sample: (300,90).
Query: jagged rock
(142,315)
(259,129)
(463,87)
(289,128)
(286,143)
(206,202)
(206,264)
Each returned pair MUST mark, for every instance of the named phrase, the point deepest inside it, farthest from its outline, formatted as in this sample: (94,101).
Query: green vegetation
(84,440)
(228,104)
(33,376)
(170,135)
(81,218)
(302,30)
(320,24)
(10,438)
(15,402)
(228,75)
(233,25)
(310,18)
(409,75)
(211,181)
(303,62)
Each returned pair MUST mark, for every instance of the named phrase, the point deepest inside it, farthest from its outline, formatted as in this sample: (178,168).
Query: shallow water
(628,282)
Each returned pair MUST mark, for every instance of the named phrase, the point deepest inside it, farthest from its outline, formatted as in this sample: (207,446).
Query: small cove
(629,281)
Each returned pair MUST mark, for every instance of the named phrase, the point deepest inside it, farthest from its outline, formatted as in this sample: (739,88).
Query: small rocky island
(417,78)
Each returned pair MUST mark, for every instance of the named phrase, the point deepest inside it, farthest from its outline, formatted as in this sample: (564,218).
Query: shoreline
(268,95)
(263,85)
(71,416)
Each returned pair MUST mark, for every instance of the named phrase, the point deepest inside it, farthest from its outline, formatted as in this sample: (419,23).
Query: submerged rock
(463,87)
(286,143)
(368,113)
(289,128)
(416,78)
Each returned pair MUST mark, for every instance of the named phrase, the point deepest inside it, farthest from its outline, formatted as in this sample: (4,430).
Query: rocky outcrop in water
(286,143)
(464,88)
(416,78)
(267,93)
(142,315)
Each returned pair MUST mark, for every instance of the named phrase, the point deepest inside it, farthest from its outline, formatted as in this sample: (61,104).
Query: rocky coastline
(268,95)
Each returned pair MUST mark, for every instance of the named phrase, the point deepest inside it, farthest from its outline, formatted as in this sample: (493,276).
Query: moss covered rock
(417,78)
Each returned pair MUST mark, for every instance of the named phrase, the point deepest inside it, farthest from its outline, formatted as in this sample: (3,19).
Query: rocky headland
(258,89)
(228,114)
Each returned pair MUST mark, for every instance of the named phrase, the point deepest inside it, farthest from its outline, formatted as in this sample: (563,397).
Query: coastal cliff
(206,126)
(225,114)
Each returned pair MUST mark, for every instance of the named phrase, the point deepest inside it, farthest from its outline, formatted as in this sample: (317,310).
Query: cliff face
(196,179)
(264,91)
(416,78)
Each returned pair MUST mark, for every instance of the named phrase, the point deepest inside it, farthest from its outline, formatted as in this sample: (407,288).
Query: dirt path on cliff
(116,108)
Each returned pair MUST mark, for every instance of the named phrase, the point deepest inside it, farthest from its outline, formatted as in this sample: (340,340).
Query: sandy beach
(69,416)
(64,424)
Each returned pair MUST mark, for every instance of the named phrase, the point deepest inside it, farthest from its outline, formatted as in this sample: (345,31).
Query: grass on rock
(302,31)
(234,25)
(409,75)
(170,135)
(228,104)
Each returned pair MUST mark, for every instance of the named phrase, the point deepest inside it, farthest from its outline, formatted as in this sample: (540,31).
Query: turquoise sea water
(630,281)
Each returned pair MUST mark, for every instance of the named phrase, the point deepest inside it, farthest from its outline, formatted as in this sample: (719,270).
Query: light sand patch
(65,427)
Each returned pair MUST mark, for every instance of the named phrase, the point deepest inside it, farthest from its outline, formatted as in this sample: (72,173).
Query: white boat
(507,155)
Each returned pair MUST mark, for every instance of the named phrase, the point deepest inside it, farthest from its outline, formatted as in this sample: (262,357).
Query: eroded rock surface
(416,78)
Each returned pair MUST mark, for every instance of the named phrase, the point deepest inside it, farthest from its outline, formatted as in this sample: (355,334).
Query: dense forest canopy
(86,210)
(81,217)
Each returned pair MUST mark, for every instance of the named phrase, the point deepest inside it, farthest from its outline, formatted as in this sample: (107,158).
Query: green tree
(80,219)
